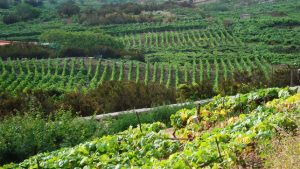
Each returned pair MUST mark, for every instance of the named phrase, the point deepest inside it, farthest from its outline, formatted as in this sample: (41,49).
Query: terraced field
(84,74)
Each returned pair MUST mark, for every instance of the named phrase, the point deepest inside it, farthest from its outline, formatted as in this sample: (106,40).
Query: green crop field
(216,142)
(84,74)
(181,84)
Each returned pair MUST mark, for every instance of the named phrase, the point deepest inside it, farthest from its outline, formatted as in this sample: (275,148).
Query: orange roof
(3,42)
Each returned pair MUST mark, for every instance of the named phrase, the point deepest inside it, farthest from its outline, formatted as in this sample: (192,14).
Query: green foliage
(34,3)
(180,118)
(130,71)
(23,12)
(137,73)
(68,9)
(4,4)
(26,12)
(149,146)
(162,73)
(25,135)
(89,41)
(63,130)
(112,96)
(146,74)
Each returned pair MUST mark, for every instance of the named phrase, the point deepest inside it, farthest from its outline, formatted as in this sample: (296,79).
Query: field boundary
(144,110)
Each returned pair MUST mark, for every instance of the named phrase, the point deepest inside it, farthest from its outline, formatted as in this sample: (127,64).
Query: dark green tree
(68,9)
(4,4)
(27,12)
(34,3)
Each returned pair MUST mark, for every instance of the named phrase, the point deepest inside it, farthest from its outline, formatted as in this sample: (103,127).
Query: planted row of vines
(180,39)
(80,74)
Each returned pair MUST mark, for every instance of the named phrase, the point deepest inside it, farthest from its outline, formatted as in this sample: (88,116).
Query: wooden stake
(186,162)
(198,109)
(138,117)
(38,164)
(220,155)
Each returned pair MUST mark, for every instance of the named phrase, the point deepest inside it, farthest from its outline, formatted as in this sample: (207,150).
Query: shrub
(9,104)
(84,40)
(10,19)
(68,9)
(119,96)
(24,50)
(104,51)
(25,135)
(4,4)
(195,92)
(22,136)
(27,12)
(34,3)
(83,43)
(72,52)
(23,12)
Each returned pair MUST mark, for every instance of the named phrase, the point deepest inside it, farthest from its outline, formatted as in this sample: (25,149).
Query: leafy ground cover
(226,131)
(34,132)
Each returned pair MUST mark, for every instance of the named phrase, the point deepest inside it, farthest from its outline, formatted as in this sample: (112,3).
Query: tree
(27,12)
(4,4)
(77,43)
(68,9)
(34,3)
(52,1)
(23,12)
(80,39)
(10,19)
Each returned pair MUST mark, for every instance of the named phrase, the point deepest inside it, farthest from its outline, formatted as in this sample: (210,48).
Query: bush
(195,92)
(27,12)
(84,43)
(68,9)
(34,3)
(23,12)
(25,50)
(72,52)
(4,4)
(22,136)
(25,135)
(122,13)
(9,104)
(104,51)
(114,96)
(10,19)
(84,40)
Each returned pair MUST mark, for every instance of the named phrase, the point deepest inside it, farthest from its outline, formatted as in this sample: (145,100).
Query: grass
(161,114)
(22,136)
(284,151)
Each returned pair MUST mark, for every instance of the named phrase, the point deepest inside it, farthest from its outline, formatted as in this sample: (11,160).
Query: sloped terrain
(226,133)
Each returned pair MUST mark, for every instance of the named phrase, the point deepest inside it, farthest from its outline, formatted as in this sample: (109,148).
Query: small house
(3,42)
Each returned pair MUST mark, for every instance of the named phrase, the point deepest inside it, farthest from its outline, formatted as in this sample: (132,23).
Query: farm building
(3,43)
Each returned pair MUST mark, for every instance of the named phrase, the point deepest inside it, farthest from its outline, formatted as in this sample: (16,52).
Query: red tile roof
(3,42)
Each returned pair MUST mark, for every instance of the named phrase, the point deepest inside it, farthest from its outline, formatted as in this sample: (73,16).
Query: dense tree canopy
(68,9)
(23,12)
(26,12)
(4,4)
(83,43)
(34,3)
(83,40)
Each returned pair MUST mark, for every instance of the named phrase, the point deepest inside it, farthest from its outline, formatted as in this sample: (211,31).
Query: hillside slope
(226,133)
